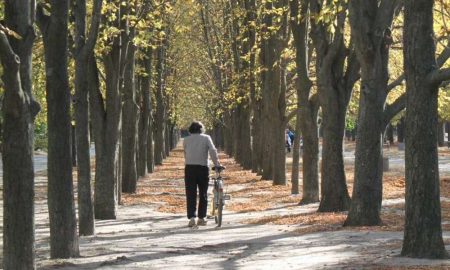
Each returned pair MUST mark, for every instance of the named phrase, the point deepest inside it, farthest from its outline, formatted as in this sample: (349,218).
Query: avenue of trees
(129,74)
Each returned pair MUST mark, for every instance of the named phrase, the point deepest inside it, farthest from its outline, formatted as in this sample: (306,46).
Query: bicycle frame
(219,198)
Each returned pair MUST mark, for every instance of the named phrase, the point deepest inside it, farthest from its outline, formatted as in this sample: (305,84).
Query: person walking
(196,173)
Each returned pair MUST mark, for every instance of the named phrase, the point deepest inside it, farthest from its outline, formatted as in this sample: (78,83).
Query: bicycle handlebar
(218,168)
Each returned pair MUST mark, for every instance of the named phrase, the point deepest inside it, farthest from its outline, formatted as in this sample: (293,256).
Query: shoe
(191,222)
(202,222)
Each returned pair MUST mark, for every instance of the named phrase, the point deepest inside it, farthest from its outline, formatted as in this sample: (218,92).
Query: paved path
(143,238)
(40,162)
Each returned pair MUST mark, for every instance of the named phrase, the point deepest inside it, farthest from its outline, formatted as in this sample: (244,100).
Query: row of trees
(114,55)
(247,67)
(278,60)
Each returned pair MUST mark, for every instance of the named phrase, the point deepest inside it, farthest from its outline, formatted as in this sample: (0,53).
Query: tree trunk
(63,226)
(337,71)
(448,134)
(296,155)
(243,145)
(150,145)
(367,190)
(334,191)
(73,144)
(145,113)
(441,133)
(228,138)
(401,130)
(160,109)
(257,134)
(279,156)
(423,231)
(366,19)
(307,106)
(85,204)
(390,134)
(106,119)
(167,138)
(85,201)
(310,157)
(19,109)
(129,114)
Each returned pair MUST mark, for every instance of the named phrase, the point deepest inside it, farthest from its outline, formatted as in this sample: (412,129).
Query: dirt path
(263,228)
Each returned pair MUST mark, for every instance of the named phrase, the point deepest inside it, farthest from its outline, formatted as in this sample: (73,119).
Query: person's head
(196,127)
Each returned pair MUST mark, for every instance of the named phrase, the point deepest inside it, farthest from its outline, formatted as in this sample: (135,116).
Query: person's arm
(213,152)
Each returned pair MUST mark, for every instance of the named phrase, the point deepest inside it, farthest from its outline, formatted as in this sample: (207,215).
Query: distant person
(291,135)
(196,173)
(288,140)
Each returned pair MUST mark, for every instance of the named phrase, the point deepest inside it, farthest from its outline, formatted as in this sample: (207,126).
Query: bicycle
(219,196)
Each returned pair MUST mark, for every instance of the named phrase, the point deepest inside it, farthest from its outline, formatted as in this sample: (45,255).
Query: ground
(264,227)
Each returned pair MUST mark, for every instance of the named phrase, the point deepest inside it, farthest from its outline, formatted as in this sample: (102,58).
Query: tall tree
(129,113)
(135,32)
(84,46)
(423,231)
(274,90)
(106,119)
(337,70)
(145,149)
(370,22)
(308,105)
(160,106)
(63,225)
(241,42)
(19,110)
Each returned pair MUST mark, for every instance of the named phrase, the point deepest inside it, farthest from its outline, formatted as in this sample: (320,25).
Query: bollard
(385,164)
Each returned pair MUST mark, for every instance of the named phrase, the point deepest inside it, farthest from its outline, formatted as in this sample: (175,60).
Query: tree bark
(390,134)
(401,130)
(370,21)
(228,138)
(83,50)
(19,110)
(307,106)
(448,134)
(257,135)
(160,108)
(335,82)
(129,114)
(63,226)
(106,119)
(167,137)
(273,93)
(150,145)
(441,133)
(241,48)
(423,231)
(296,155)
(145,113)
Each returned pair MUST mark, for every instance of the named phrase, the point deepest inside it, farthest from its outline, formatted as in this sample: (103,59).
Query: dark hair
(196,127)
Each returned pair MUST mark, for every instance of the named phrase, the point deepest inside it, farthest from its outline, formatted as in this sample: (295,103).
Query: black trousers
(196,176)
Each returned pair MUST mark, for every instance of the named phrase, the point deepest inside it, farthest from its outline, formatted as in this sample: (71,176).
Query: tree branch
(95,96)
(385,13)
(14,97)
(438,76)
(393,109)
(441,59)
(42,20)
(94,27)
(352,74)
(7,56)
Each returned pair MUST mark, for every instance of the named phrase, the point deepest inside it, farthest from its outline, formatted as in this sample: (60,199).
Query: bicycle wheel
(219,208)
